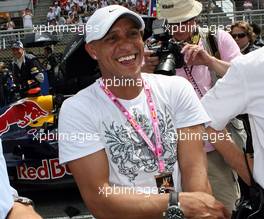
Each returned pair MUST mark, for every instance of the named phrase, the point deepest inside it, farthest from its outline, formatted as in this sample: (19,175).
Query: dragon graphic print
(130,153)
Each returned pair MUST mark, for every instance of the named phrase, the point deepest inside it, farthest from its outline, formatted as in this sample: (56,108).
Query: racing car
(28,126)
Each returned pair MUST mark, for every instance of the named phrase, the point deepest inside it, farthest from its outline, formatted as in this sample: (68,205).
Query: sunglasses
(238,35)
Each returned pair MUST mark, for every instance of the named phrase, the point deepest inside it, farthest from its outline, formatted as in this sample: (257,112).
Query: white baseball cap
(102,20)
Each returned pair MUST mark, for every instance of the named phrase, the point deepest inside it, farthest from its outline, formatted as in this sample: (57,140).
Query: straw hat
(177,11)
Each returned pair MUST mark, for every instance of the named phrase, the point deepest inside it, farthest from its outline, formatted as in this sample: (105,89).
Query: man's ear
(91,50)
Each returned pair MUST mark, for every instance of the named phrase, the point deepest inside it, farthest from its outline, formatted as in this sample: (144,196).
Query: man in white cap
(182,18)
(11,205)
(119,135)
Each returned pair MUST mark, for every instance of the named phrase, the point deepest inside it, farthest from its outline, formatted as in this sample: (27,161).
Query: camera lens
(167,65)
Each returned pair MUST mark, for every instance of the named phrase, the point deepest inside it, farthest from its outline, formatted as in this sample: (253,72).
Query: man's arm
(92,180)
(231,153)
(192,160)
(218,66)
(195,55)
(8,208)
(21,211)
(91,174)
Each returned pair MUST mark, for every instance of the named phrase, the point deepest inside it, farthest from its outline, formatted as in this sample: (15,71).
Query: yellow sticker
(34,69)
(195,39)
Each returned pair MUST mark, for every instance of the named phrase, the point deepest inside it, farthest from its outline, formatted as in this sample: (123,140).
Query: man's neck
(126,88)
(20,60)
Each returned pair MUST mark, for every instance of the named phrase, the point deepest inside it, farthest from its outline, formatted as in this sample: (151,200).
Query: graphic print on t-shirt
(131,153)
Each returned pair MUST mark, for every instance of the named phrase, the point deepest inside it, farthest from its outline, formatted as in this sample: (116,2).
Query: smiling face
(120,52)
(17,52)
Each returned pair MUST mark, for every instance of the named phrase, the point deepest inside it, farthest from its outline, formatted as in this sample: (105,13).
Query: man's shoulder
(84,96)
(254,59)
(29,56)
(168,84)
(222,32)
(158,78)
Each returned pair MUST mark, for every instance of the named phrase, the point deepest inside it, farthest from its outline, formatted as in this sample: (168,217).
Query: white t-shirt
(6,191)
(51,15)
(27,21)
(131,163)
(241,91)
(57,11)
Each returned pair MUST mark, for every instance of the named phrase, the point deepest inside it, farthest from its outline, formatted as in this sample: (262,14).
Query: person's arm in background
(193,166)
(223,102)
(6,198)
(195,55)
(231,152)
(8,208)
(228,50)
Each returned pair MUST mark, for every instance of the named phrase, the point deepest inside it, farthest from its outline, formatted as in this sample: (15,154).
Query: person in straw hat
(202,73)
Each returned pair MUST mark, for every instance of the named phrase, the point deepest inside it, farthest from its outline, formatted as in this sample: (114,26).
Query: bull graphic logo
(21,114)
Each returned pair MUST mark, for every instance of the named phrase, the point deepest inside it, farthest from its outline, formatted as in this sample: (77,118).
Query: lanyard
(156,149)
(188,72)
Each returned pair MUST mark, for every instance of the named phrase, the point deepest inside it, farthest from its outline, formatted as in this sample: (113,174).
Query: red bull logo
(49,169)
(21,114)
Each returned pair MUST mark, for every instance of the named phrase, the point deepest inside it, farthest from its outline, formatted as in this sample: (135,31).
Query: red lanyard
(156,149)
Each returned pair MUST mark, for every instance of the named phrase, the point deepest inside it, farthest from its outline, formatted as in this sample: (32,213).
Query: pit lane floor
(59,203)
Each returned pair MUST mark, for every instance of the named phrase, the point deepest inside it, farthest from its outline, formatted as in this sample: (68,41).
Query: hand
(201,205)
(195,55)
(48,67)
(150,62)
(21,211)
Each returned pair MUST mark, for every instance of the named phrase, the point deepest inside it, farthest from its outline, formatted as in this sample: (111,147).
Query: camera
(168,50)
